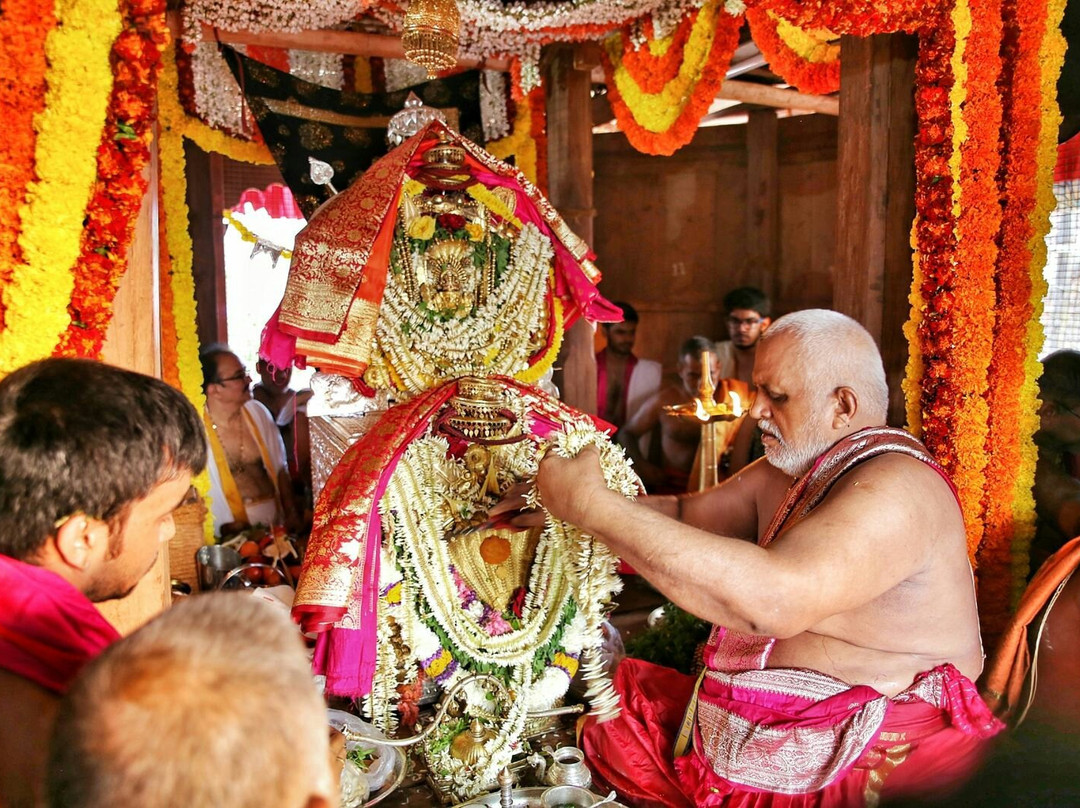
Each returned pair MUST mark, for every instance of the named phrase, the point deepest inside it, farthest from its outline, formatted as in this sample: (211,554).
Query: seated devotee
(668,467)
(249,473)
(1057,476)
(289,409)
(210,704)
(93,461)
(624,382)
(846,635)
(747,314)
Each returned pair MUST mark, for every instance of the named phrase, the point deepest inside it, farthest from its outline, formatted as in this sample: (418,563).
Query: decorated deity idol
(444,278)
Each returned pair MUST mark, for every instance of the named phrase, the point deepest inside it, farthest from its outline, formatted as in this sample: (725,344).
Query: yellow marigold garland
(661,122)
(79,81)
(520,143)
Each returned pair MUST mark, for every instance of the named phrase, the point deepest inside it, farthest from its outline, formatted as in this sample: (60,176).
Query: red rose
(451,221)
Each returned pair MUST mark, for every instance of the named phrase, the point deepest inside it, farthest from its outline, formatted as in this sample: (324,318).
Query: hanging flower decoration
(24,27)
(526,144)
(1033,50)
(808,59)
(123,154)
(659,101)
(78,82)
(857,17)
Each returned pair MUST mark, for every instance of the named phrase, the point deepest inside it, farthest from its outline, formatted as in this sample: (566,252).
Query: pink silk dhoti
(850,748)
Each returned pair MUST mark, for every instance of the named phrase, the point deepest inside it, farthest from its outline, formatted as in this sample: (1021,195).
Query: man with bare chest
(835,571)
(249,475)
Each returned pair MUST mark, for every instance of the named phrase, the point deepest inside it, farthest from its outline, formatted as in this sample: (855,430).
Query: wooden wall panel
(671,237)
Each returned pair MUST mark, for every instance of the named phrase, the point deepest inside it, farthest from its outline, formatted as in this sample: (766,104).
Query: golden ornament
(430,34)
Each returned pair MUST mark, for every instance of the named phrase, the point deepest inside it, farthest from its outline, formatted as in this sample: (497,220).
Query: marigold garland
(808,59)
(858,17)
(661,122)
(68,130)
(24,27)
(121,183)
(522,143)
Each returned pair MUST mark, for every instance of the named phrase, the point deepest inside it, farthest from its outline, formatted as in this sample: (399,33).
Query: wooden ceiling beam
(330,41)
(768,96)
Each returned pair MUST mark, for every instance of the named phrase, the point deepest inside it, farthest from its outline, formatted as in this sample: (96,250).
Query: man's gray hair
(834,350)
(212,703)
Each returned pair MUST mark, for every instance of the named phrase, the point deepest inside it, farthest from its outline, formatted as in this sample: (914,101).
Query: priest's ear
(847,407)
(79,538)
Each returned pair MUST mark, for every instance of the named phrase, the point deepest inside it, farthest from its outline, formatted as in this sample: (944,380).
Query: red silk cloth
(48,628)
(941,715)
(337,595)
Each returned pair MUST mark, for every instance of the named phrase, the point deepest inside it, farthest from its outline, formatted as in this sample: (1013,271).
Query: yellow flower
(422,228)
(475,231)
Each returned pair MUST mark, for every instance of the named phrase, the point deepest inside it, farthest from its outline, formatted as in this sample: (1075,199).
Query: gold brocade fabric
(330,265)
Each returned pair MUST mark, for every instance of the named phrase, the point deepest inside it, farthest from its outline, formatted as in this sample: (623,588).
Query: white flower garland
(417,586)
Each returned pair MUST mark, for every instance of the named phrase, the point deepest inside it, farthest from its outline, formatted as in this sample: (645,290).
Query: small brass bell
(468,745)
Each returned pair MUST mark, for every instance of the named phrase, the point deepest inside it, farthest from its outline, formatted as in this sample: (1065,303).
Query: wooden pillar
(762,200)
(206,200)
(570,188)
(133,342)
(876,196)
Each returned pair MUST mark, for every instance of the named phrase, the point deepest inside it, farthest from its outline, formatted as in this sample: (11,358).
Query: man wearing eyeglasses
(747,310)
(249,472)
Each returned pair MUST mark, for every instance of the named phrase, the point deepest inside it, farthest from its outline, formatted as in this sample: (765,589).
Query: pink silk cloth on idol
(48,628)
(337,595)
(788,737)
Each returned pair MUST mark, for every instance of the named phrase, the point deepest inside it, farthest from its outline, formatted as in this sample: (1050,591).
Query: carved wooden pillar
(133,342)
(570,188)
(876,197)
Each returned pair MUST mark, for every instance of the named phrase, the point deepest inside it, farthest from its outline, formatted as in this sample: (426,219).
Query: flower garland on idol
(121,183)
(660,96)
(68,130)
(808,59)
(452,608)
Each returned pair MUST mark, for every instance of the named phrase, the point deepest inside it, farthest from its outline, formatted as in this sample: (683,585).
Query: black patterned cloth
(298,119)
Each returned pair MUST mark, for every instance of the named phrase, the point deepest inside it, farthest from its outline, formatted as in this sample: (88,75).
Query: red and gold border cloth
(337,595)
(338,273)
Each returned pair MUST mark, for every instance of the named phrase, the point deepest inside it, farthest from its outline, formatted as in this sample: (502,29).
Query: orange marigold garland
(808,59)
(121,183)
(857,17)
(656,61)
(24,26)
(663,121)
(934,241)
(1012,394)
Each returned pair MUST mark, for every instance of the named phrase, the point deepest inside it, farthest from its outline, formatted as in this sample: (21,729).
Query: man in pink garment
(835,570)
(93,461)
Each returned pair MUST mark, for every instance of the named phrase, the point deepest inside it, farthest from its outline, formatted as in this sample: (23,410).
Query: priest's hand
(569,489)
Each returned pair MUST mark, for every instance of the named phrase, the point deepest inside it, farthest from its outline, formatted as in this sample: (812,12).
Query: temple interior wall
(671,233)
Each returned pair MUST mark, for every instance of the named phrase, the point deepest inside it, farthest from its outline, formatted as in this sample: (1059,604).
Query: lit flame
(700,411)
(736,404)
